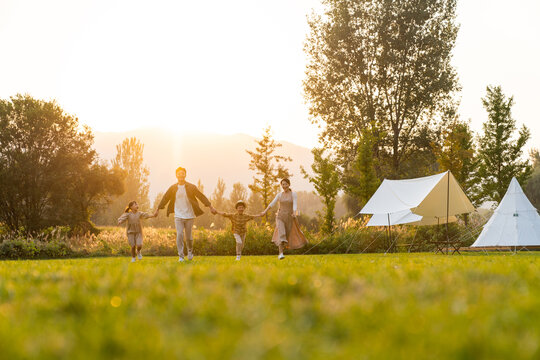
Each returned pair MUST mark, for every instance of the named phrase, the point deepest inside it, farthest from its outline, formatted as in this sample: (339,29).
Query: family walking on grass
(182,200)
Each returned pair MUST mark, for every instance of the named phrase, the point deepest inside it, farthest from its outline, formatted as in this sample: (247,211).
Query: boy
(239,221)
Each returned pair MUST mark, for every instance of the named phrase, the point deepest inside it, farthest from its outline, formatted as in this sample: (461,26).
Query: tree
(219,202)
(359,178)
(327,184)
(532,187)
(94,188)
(255,204)
(49,173)
(499,151)
(206,219)
(457,151)
(239,192)
(129,161)
(382,65)
(129,157)
(268,167)
(160,221)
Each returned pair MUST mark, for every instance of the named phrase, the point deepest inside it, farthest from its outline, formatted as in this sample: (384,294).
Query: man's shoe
(133,259)
(281,257)
(190,255)
(237,257)
(180,259)
(139,255)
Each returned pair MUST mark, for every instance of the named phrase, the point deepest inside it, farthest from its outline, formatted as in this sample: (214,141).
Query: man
(182,201)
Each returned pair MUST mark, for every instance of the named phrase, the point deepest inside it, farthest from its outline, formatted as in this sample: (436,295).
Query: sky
(231,66)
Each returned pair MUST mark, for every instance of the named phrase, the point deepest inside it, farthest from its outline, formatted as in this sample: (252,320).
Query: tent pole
(389,232)
(447,210)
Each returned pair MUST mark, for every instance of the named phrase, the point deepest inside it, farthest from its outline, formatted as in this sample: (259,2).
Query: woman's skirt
(288,231)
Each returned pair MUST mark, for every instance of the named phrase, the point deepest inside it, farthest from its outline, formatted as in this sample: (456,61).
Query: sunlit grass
(304,307)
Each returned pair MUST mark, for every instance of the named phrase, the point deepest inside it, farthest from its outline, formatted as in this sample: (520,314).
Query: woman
(287,233)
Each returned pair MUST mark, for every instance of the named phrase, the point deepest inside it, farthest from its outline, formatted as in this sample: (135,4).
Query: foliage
(239,192)
(499,152)
(360,179)
(129,161)
(129,157)
(457,152)
(220,202)
(49,173)
(268,167)
(22,247)
(255,205)
(327,184)
(206,220)
(532,187)
(349,236)
(383,66)
(160,221)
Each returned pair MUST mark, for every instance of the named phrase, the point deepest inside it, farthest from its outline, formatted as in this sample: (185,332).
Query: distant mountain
(206,156)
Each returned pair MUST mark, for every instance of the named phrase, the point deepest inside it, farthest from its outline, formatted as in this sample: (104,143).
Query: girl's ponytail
(128,208)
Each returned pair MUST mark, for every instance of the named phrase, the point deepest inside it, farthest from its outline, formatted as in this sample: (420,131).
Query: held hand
(212,210)
(156,213)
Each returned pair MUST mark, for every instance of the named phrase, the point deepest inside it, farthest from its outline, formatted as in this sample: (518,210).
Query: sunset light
(260,180)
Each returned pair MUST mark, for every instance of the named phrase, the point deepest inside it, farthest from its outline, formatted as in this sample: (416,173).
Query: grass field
(398,306)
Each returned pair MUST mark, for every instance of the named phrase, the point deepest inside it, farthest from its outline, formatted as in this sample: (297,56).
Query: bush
(350,236)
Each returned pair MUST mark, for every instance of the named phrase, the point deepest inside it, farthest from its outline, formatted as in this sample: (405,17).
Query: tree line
(379,83)
(267,165)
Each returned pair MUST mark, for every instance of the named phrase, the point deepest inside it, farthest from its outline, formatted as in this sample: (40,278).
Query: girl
(134,228)
(287,233)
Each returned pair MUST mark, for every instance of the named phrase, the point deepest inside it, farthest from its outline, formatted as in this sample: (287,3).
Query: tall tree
(457,151)
(499,151)
(49,173)
(268,167)
(129,161)
(327,184)
(359,178)
(207,219)
(129,158)
(383,65)
(219,201)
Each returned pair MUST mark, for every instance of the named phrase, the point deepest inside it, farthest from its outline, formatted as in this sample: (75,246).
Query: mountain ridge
(206,156)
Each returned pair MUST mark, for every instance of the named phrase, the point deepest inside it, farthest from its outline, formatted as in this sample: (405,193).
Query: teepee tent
(515,222)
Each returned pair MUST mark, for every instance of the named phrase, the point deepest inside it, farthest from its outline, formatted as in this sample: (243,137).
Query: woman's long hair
(128,208)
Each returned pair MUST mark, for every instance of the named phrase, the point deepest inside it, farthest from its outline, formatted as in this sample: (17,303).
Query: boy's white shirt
(278,198)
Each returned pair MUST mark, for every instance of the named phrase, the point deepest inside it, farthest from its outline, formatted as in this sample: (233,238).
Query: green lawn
(407,306)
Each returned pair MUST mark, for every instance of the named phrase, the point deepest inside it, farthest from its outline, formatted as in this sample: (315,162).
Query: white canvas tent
(433,197)
(515,222)
(430,200)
